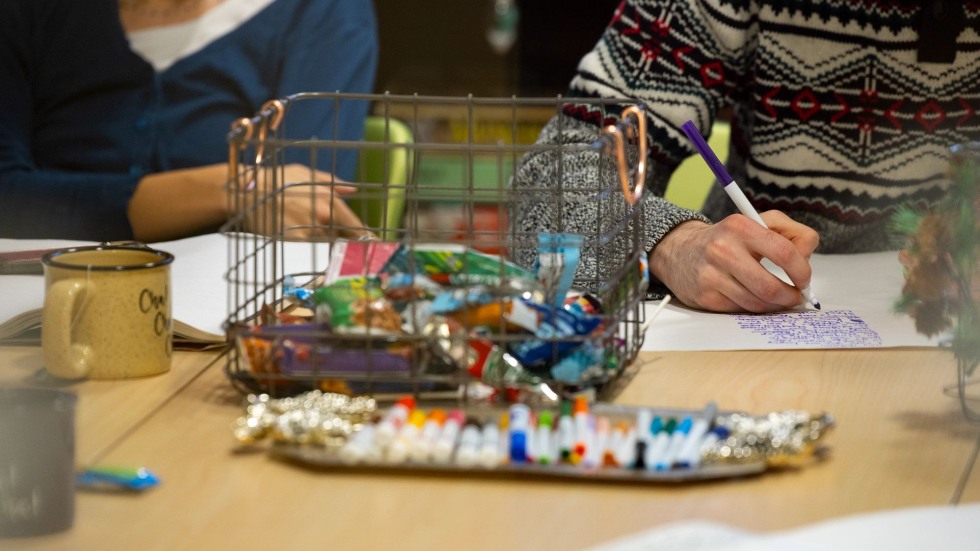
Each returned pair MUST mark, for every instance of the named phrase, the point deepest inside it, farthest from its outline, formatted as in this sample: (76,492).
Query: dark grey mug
(37,461)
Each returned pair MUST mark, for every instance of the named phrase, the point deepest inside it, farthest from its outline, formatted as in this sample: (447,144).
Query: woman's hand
(309,202)
(175,204)
(716,267)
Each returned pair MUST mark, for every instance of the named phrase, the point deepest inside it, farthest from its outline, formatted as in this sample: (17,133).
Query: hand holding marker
(731,188)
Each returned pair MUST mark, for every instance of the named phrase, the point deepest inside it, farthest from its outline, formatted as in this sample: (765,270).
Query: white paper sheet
(200,292)
(950,528)
(857,293)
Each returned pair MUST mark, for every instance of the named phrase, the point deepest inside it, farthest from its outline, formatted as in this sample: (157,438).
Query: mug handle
(62,358)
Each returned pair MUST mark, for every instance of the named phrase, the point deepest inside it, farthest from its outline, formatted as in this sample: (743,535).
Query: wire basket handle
(616,133)
(276,109)
(242,130)
(272,113)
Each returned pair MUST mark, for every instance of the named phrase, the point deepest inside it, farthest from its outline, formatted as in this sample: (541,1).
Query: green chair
(691,182)
(383,207)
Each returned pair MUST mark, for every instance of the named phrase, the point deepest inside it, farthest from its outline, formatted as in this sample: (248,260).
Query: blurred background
(485,47)
(490,49)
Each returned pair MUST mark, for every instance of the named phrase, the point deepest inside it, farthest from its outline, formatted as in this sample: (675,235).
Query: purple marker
(731,188)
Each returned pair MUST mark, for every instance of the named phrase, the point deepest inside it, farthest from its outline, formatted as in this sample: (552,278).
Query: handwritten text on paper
(831,329)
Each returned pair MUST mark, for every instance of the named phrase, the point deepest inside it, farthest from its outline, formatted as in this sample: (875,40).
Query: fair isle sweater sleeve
(561,191)
(681,60)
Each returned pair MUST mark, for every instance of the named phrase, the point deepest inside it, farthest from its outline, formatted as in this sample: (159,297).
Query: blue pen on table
(134,479)
(731,188)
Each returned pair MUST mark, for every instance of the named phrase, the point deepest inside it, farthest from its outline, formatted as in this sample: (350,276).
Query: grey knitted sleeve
(576,190)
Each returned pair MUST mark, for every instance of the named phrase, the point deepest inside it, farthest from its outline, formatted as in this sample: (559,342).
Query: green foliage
(958,215)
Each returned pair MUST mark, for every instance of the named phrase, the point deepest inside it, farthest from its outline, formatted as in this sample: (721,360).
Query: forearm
(174,204)
(578,209)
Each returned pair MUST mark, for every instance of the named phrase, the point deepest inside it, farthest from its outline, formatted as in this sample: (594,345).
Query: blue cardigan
(83,117)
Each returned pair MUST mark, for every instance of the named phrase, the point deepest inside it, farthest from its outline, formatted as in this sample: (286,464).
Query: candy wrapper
(558,256)
(453,265)
(357,305)
(358,258)
(392,313)
(558,332)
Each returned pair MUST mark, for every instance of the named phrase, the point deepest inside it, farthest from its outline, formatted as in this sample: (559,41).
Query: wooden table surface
(900,442)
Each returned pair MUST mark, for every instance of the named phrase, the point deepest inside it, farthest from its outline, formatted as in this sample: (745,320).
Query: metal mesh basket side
(482,142)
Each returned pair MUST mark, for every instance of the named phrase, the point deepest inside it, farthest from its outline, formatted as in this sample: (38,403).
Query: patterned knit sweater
(841,110)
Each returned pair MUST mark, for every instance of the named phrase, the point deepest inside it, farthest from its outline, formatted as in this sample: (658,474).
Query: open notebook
(197,276)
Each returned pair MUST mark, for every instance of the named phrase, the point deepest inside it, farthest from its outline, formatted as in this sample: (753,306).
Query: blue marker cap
(707,154)
(518,447)
(656,426)
(685,426)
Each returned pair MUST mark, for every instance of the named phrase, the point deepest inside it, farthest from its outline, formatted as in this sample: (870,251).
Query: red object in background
(485,230)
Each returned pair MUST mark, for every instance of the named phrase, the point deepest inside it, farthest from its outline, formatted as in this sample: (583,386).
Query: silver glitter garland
(778,438)
(315,417)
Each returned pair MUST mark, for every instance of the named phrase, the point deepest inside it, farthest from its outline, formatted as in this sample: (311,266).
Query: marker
(691,451)
(532,438)
(503,439)
(583,430)
(731,188)
(520,425)
(677,439)
(442,452)
(356,448)
(627,452)
(422,451)
(566,432)
(645,430)
(599,436)
(375,453)
(646,435)
(468,452)
(489,445)
(543,442)
(710,439)
(660,442)
(610,454)
(401,447)
(393,421)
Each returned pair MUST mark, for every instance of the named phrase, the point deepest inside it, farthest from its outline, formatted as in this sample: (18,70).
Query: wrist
(666,254)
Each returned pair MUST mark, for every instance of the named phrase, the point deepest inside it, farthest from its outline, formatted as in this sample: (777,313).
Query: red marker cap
(407,401)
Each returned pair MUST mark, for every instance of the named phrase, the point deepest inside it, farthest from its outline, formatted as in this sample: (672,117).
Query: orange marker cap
(438,415)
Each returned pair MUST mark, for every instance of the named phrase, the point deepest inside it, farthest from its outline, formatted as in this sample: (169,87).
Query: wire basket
(448,190)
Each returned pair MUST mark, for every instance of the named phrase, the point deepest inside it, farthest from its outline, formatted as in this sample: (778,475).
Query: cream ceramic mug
(107,312)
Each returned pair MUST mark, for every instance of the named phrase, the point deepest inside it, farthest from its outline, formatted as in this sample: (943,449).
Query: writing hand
(716,267)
